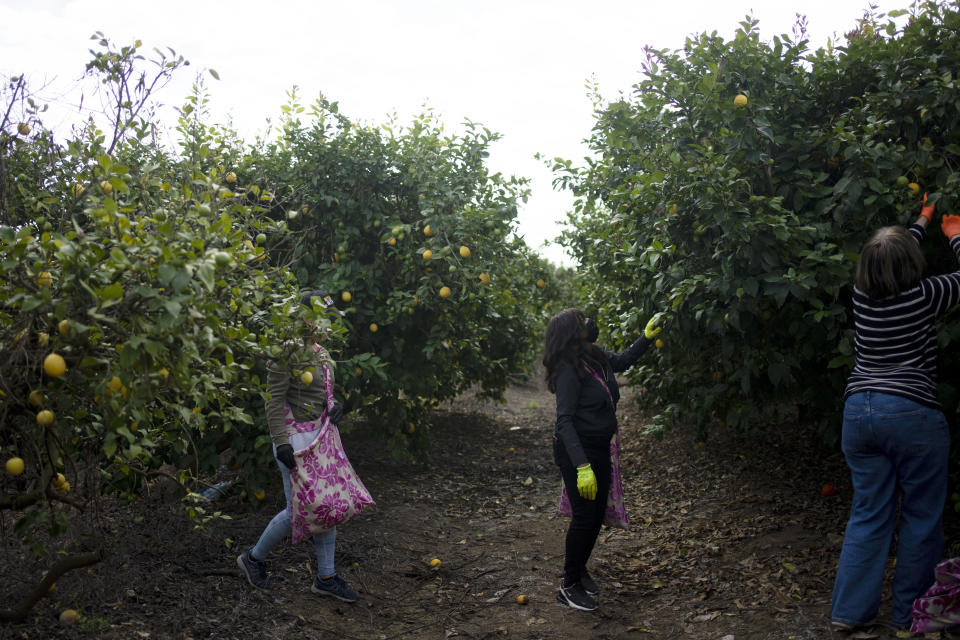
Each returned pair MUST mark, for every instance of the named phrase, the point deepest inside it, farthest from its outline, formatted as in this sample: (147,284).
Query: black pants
(587,514)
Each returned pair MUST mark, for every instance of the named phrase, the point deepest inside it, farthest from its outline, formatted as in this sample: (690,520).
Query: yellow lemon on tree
(78,190)
(346,297)
(44,279)
(23,129)
(913,186)
(54,365)
(43,338)
(426,231)
(231,177)
(164,373)
(464,251)
(45,418)
(445,291)
(36,397)
(63,327)
(427,254)
(115,384)
(306,377)
(392,241)
(740,100)
(106,187)
(658,344)
(484,278)
(15,466)
(435,562)
(373,327)
(541,283)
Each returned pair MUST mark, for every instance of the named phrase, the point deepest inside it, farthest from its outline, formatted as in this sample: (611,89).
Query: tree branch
(65,564)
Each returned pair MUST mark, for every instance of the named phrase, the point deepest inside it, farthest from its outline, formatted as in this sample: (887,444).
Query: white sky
(518,67)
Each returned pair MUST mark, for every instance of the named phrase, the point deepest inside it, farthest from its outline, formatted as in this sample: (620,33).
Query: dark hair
(890,263)
(564,343)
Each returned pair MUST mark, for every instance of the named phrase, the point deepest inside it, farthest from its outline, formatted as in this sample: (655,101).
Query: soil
(730,540)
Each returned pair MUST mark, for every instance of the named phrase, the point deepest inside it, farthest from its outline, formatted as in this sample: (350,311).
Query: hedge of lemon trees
(143,287)
(733,189)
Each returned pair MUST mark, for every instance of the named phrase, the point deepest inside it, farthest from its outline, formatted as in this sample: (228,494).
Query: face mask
(593,331)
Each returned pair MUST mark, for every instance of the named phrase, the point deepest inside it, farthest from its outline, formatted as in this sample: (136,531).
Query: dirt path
(729,539)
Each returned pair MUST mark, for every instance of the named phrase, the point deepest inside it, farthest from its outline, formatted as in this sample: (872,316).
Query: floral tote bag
(325,491)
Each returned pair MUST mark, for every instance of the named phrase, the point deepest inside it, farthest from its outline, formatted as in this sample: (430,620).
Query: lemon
(23,129)
(115,384)
(521,599)
(427,254)
(68,617)
(43,338)
(45,418)
(913,186)
(464,252)
(63,327)
(54,365)
(36,397)
(484,278)
(346,297)
(373,327)
(15,466)
(259,495)
(445,291)
(392,241)
(541,283)
(435,562)
(306,377)
(427,232)
(658,344)
(740,100)
(44,279)
(106,187)
(231,177)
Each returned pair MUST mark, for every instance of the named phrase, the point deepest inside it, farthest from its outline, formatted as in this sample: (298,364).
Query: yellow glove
(586,482)
(651,330)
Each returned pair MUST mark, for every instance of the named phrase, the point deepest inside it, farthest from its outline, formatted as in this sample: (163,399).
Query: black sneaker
(588,584)
(334,586)
(575,597)
(255,570)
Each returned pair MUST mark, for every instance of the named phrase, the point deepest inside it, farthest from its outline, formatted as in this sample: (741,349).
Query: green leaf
(111,292)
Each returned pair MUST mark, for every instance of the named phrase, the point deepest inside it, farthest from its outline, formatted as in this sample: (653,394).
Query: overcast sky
(518,67)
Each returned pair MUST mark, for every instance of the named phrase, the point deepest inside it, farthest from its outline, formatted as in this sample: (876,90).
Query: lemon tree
(735,185)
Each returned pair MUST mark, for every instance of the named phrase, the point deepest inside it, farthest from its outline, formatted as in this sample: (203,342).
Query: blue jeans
(891,444)
(280,528)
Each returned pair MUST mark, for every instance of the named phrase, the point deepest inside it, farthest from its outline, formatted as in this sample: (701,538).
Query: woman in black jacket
(582,376)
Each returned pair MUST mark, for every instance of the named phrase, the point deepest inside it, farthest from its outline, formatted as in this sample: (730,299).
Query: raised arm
(623,361)
(944,291)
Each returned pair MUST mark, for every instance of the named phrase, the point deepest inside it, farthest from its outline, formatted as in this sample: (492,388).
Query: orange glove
(927,211)
(950,225)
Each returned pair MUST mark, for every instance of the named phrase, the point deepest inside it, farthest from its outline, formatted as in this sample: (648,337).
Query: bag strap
(602,383)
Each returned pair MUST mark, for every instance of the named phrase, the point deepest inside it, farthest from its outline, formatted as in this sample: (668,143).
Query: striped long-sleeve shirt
(896,340)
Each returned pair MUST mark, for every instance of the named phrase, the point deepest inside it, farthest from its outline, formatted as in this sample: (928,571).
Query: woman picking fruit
(296,412)
(582,376)
(895,436)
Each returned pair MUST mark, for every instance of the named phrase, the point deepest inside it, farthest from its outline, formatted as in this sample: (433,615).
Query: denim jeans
(891,445)
(280,528)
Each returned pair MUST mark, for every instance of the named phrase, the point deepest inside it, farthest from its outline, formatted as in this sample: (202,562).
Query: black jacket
(585,416)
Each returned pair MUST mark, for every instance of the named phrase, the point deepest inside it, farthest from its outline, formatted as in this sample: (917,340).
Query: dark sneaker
(575,597)
(588,584)
(334,586)
(255,570)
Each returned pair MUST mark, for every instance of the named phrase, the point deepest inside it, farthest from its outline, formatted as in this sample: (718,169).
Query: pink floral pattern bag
(939,608)
(616,511)
(325,491)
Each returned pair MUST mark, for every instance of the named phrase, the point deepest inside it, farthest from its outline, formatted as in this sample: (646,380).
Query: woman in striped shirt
(895,436)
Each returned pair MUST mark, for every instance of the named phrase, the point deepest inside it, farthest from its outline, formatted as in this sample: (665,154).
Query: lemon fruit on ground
(231,177)
(740,100)
(306,377)
(36,397)
(445,291)
(54,365)
(464,251)
(45,418)
(346,297)
(521,599)
(435,562)
(15,466)
(68,617)
(427,254)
